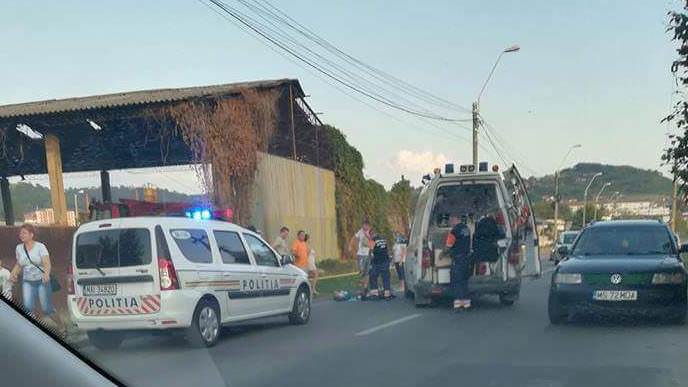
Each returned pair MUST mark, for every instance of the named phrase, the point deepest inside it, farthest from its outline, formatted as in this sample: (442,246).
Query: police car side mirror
(287,260)
(563,251)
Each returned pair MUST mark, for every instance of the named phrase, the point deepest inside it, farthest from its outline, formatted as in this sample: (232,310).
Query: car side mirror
(563,251)
(287,260)
(683,248)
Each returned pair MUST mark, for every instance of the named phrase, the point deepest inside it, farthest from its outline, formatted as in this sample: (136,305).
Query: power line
(376,73)
(237,15)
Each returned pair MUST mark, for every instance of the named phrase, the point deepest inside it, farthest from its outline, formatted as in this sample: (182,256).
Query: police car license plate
(100,290)
(615,295)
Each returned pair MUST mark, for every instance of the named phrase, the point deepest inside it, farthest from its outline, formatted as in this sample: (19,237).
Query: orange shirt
(300,251)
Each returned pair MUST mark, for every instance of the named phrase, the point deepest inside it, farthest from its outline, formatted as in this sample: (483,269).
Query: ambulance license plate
(615,295)
(100,290)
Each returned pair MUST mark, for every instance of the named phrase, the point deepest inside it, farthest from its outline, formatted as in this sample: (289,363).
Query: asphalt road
(394,344)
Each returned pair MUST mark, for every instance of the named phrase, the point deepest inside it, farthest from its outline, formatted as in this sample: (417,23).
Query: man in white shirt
(399,253)
(280,244)
(5,283)
(361,240)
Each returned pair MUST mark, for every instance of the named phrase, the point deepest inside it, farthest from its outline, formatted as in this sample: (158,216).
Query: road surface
(394,344)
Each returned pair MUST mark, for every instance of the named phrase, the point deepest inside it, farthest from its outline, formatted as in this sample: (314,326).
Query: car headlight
(667,278)
(568,278)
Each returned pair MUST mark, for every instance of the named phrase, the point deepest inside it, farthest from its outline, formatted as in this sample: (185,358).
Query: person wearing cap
(458,246)
(379,266)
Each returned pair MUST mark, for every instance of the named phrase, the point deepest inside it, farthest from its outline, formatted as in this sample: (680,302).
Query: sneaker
(467,304)
(458,304)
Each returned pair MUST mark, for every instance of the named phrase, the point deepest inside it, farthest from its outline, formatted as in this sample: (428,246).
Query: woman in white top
(312,269)
(33,262)
(399,252)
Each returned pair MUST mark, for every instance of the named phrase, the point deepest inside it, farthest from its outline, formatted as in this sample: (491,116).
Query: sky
(593,73)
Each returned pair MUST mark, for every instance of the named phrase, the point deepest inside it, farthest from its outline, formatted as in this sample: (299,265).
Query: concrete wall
(299,196)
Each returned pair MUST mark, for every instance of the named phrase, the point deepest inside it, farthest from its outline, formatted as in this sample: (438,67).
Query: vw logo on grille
(615,279)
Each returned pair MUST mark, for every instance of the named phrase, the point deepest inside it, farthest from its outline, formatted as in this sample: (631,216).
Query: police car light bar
(199,214)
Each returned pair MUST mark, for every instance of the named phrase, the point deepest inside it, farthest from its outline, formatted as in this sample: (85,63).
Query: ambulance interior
(472,202)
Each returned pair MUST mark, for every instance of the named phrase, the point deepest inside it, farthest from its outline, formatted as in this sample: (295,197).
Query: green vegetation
(329,267)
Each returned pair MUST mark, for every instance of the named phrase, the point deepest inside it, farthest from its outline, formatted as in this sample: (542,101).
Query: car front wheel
(556,313)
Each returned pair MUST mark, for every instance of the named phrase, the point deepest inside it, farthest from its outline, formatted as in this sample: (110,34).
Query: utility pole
(476,126)
(556,206)
(674,200)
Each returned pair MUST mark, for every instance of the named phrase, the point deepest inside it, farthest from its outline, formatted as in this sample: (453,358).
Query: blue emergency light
(482,167)
(199,214)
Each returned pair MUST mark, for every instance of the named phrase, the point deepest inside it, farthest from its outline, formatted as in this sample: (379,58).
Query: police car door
(523,223)
(237,272)
(273,283)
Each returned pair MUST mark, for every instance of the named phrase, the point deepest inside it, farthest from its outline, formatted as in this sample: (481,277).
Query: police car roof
(149,221)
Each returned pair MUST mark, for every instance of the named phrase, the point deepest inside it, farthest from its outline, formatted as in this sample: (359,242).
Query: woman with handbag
(33,262)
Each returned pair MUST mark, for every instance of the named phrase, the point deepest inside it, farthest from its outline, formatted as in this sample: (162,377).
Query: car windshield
(624,241)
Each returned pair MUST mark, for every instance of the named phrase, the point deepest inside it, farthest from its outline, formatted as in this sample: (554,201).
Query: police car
(162,273)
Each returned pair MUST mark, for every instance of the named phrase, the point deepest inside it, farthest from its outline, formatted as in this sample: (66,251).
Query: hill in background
(632,183)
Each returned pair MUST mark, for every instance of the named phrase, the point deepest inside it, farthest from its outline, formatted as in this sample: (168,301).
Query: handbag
(54,283)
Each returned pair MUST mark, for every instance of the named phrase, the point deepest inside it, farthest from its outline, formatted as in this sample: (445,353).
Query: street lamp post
(476,104)
(585,197)
(597,198)
(556,190)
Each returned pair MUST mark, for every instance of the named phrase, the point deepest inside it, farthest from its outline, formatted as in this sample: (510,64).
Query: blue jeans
(460,273)
(377,269)
(37,289)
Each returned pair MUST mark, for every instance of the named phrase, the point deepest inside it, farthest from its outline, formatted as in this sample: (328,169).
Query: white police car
(155,273)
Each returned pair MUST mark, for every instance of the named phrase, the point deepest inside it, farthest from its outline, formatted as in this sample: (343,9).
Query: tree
(676,155)
(577,218)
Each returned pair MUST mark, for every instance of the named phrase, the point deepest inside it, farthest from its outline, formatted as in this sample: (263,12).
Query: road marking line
(387,325)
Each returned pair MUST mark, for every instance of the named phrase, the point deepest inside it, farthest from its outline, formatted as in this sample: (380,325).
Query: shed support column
(58,199)
(105,186)
(7,201)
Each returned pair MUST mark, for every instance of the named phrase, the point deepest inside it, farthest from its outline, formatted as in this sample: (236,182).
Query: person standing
(379,266)
(459,248)
(399,253)
(280,243)
(33,263)
(300,250)
(312,268)
(362,242)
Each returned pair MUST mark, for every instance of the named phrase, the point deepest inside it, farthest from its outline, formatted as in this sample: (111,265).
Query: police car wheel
(105,340)
(205,327)
(507,299)
(301,311)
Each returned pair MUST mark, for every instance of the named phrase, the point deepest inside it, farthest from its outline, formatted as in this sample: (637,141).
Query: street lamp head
(513,48)
(577,146)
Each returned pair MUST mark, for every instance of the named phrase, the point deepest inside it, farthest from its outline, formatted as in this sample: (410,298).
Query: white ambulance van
(167,273)
(472,193)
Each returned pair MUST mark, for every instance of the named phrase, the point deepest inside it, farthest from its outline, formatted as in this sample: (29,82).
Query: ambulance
(472,194)
(191,275)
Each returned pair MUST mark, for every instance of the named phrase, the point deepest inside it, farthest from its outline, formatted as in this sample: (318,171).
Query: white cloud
(412,164)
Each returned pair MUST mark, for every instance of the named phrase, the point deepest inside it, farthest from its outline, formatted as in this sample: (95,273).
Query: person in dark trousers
(379,266)
(458,245)
(487,233)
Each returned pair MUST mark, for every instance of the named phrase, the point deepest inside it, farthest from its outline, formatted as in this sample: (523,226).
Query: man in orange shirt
(300,250)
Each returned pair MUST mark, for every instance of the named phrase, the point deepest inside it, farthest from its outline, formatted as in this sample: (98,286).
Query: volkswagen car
(628,266)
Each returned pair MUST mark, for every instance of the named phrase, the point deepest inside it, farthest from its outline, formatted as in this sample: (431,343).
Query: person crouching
(379,266)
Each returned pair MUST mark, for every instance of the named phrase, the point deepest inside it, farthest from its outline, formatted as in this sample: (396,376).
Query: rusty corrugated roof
(136,98)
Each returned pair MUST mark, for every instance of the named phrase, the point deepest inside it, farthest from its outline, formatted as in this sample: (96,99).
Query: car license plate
(615,295)
(100,290)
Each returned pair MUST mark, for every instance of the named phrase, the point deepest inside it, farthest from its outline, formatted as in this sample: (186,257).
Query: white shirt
(5,283)
(29,271)
(363,247)
(399,250)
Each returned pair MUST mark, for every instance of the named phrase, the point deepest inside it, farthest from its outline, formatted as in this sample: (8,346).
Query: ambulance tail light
(168,275)
(70,280)
(426,261)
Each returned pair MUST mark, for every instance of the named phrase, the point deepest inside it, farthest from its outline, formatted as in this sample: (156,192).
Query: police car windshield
(627,240)
(568,238)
